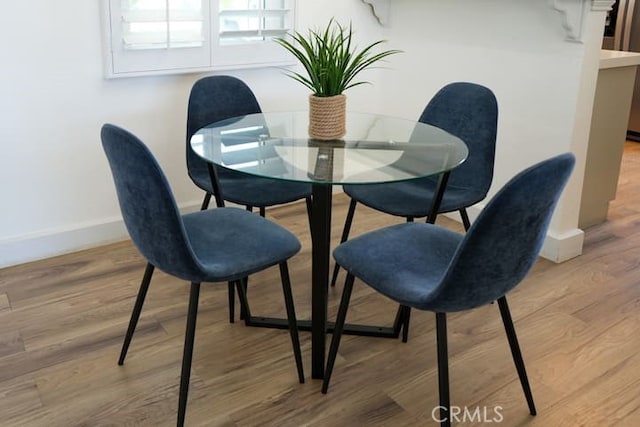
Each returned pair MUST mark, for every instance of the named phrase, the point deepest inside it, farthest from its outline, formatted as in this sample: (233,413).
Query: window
(146,37)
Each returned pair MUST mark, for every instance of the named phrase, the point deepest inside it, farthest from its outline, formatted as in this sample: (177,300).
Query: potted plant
(331,62)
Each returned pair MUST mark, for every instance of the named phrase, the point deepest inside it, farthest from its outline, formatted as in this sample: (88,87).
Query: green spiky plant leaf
(330,60)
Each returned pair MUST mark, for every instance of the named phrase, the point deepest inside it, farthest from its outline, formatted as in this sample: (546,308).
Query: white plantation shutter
(157,36)
(252,20)
(244,30)
(171,36)
(162,24)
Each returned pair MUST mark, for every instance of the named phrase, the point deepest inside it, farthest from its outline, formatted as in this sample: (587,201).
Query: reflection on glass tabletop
(376,148)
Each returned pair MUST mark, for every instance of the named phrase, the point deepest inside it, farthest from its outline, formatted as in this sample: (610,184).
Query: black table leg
(437,199)
(320,252)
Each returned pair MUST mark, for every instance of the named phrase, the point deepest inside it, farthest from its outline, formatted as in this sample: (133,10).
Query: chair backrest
(470,112)
(212,99)
(504,241)
(147,204)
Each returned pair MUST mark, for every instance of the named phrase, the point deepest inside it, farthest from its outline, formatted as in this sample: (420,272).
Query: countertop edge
(617,59)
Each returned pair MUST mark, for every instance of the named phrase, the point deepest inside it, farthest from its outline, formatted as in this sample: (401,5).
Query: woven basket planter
(327,117)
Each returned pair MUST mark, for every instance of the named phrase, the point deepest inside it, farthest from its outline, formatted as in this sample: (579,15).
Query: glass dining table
(376,149)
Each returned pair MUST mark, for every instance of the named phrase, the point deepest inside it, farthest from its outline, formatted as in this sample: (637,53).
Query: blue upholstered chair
(217,245)
(468,111)
(428,267)
(217,98)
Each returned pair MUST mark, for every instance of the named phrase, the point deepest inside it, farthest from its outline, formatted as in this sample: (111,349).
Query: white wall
(56,189)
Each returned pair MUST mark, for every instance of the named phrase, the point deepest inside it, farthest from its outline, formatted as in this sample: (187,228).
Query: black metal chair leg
(213,176)
(137,309)
(232,303)
(443,369)
(244,303)
(245,285)
(401,322)
(345,235)
(188,351)
(337,331)
(398,322)
(263,211)
(249,208)
(515,352)
(405,325)
(205,202)
(232,294)
(465,219)
(291,318)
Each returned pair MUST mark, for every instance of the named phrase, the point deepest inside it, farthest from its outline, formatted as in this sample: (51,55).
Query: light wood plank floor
(62,321)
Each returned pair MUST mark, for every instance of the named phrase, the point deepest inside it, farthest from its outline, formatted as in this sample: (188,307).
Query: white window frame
(211,56)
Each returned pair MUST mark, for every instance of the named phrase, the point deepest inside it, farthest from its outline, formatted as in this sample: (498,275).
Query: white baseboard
(13,251)
(51,243)
(560,248)
(33,247)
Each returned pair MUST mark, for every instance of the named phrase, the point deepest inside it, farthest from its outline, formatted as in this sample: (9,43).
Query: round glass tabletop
(376,149)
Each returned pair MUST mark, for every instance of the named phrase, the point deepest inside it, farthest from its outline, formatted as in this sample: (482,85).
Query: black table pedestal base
(349,329)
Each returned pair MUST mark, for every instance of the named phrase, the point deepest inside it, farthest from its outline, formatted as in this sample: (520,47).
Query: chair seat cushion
(394,261)
(249,190)
(412,198)
(231,243)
